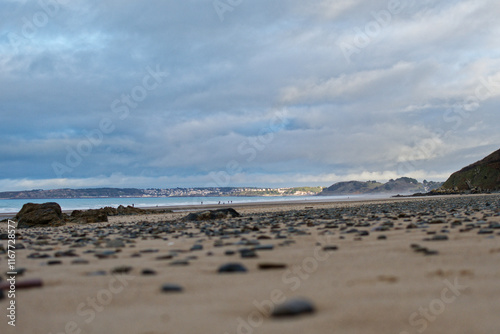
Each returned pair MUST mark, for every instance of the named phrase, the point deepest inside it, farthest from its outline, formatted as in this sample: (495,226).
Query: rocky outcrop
(350,188)
(50,214)
(212,214)
(40,215)
(481,176)
(90,216)
(403,185)
(101,215)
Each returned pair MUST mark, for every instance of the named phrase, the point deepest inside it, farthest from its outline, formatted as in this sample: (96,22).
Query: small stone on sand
(232,268)
(293,307)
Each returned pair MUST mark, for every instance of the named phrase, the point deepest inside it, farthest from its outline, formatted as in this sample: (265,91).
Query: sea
(14,205)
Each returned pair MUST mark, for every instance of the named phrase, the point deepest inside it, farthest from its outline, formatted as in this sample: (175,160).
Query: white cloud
(347,86)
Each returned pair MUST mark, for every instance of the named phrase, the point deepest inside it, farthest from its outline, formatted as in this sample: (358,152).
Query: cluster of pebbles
(250,237)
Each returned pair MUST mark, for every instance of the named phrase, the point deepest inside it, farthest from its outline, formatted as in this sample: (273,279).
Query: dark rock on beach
(247,253)
(169,288)
(196,247)
(121,270)
(50,214)
(89,216)
(293,307)
(115,243)
(272,266)
(101,215)
(148,272)
(24,284)
(232,268)
(179,263)
(212,214)
(40,215)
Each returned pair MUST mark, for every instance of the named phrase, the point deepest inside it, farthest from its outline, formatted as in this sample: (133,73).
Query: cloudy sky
(200,93)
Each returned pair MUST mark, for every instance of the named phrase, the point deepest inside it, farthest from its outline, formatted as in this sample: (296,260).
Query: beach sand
(400,284)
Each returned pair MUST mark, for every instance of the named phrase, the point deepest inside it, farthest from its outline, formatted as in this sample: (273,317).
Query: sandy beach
(403,266)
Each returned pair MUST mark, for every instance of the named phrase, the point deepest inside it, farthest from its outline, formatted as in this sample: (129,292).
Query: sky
(201,93)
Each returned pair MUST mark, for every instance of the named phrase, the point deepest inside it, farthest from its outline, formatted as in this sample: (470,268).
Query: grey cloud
(407,96)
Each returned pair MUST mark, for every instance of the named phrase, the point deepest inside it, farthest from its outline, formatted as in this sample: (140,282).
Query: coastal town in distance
(399,186)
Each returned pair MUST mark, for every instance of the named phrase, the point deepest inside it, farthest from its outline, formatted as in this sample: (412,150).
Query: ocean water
(14,205)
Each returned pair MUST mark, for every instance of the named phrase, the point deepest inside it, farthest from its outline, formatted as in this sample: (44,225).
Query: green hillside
(481,175)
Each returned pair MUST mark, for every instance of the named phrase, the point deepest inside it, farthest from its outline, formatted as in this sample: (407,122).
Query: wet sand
(380,266)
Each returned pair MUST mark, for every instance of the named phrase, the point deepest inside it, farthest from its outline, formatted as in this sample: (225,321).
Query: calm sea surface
(14,205)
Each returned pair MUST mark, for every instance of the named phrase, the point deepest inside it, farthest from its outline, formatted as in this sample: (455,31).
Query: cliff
(483,175)
(403,185)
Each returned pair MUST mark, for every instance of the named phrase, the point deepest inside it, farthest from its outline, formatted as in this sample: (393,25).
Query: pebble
(439,237)
(263,247)
(106,254)
(115,243)
(271,266)
(179,263)
(196,247)
(68,253)
(149,251)
(232,268)
(419,249)
(293,307)
(431,252)
(38,256)
(169,288)
(148,272)
(25,284)
(247,253)
(121,270)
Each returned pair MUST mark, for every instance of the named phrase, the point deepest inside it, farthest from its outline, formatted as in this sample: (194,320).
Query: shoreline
(198,207)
